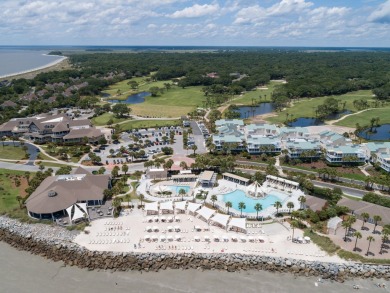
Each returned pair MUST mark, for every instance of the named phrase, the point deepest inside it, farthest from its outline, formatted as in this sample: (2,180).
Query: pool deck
(127,234)
(226,187)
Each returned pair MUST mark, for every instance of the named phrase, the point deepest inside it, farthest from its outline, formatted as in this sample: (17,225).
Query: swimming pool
(176,188)
(238,196)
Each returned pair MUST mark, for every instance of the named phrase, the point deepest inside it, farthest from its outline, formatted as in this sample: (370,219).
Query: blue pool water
(238,196)
(176,188)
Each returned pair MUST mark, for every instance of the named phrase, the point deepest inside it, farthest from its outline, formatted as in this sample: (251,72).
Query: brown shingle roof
(84,132)
(67,192)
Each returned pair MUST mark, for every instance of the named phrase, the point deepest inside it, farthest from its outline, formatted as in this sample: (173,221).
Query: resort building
(330,138)
(299,149)
(379,153)
(345,154)
(207,178)
(236,179)
(157,174)
(52,128)
(56,194)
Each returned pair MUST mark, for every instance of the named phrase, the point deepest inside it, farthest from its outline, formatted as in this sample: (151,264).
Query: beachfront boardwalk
(184,233)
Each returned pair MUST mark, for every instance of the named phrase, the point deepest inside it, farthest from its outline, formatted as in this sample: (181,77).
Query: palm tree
(357,235)
(258,208)
(125,168)
(365,217)
(128,198)
(228,204)
(141,198)
(277,205)
(116,203)
(302,200)
(293,225)
(214,198)
(370,239)
(346,225)
(290,206)
(241,206)
(385,238)
(182,192)
(376,219)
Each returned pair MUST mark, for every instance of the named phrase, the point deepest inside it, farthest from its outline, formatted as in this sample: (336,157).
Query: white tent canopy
(239,223)
(180,205)
(193,207)
(168,206)
(255,189)
(151,206)
(77,211)
(206,213)
(282,180)
(220,219)
(333,224)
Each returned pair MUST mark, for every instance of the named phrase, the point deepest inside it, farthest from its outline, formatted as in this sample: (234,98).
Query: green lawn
(42,156)
(8,193)
(265,94)
(172,103)
(12,153)
(47,164)
(103,119)
(306,107)
(364,118)
(149,124)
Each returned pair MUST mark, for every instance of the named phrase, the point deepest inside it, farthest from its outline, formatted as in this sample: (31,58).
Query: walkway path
(331,122)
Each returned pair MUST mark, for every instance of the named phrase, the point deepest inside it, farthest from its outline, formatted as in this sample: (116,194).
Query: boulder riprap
(57,244)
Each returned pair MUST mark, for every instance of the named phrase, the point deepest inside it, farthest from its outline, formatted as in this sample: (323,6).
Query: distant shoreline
(51,64)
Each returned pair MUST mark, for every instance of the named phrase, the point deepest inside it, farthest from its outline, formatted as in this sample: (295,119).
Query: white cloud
(196,11)
(382,14)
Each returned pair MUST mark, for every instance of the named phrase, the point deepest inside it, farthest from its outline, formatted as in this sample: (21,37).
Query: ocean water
(13,61)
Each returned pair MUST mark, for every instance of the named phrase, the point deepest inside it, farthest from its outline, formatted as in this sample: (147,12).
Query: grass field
(149,124)
(103,119)
(8,193)
(10,152)
(247,98)
(172,103)
(306,107)
(364,118)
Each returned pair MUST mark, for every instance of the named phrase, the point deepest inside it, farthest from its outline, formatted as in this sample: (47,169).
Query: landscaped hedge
(377,199)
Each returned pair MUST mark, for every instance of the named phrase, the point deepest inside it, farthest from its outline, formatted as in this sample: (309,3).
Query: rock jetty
(55,243)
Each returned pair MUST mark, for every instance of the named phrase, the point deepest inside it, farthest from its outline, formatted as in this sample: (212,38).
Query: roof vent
(52,193)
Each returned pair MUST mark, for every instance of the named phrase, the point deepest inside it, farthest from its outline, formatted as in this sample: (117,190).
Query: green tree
(120,110)
(365,217)
(154,90)
(115,172)
(290,206)
(302,200)
(370,239)
(357,236)
(346,225)
(241,206)
(258,208)
(277,205)
(182,192)
(125,168)
(228,204)
(214,198)
(377,219)
(294,224)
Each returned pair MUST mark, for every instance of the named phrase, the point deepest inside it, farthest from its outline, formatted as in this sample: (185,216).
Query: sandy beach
(22,272)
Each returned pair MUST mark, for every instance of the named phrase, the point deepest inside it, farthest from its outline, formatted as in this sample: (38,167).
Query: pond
(248,111)
(378,133)
(133,99)
(303,122)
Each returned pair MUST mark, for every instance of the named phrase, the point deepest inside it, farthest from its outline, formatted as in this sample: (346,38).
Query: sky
(352,23)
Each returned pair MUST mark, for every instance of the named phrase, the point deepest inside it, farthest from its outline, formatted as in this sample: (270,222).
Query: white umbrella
(261,238)
(243,239)
(155,237)
(170,228)
(216,237)
(207,238)
(307,238)
(146,237)
(177,228)
(196,238)
(198,228)
(177,218)
(162,218)
(234,237)
(162,238)
(155,228)
(170,237)
(155,219)
(226,238)
(177,237)
(170,219)
(250,238)
(148,228)
(149,219)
